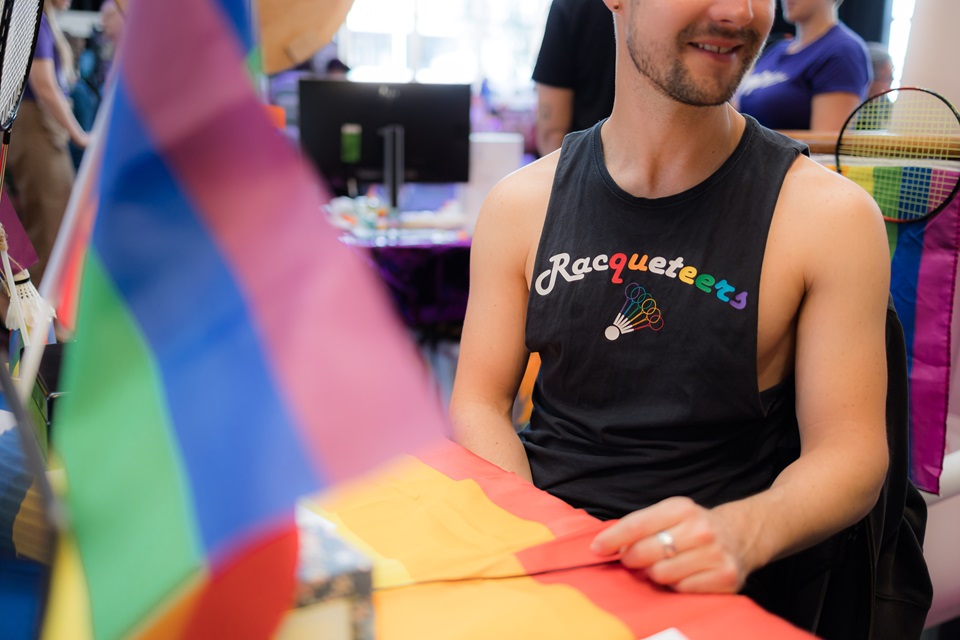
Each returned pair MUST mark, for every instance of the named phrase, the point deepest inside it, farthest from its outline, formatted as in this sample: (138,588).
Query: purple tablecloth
(428,278)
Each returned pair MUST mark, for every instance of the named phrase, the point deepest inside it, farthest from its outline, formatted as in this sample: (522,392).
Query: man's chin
(706,103)
(706,99)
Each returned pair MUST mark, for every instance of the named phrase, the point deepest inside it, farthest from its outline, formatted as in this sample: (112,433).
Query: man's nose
(737,13)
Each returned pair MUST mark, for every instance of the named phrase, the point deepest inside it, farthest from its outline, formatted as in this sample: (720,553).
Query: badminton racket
(903,147)
(19,26)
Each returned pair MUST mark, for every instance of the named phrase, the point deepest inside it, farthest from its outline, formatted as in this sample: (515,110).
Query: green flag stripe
(893,234)
(127,498)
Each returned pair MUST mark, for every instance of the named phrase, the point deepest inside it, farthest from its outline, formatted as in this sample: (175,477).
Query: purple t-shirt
(46,50)
(779,90)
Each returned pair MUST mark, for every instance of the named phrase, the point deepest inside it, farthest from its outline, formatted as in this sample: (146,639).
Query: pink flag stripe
(284,255)
(930,367)
(18,243)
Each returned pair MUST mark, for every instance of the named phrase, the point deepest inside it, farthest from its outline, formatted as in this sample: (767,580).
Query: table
(427,272)
(464,550)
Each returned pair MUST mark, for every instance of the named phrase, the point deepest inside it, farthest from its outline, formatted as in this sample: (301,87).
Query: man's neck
(657,147)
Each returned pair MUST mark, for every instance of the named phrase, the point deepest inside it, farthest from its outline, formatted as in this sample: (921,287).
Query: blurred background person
(337,70)
(93,67)
(876,114)
(574,71)
(882,68)
(812,81)
(111,22)
(40,165)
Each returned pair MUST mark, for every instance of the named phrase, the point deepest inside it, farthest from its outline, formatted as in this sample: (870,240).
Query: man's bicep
(492,351)
(841,359)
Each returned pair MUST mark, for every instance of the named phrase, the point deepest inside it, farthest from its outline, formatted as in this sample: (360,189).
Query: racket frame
(6,19)
(853,115)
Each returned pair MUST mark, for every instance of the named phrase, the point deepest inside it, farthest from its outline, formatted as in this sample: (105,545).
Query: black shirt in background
(579,52)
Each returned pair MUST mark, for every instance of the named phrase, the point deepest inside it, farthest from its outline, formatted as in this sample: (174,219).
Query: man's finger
(644,523)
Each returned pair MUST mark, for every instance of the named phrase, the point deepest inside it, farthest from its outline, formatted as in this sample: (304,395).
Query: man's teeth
(712,49)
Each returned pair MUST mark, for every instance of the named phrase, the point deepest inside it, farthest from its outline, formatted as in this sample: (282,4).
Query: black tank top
(644,313)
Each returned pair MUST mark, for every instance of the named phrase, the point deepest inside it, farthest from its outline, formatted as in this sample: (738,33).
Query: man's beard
(677,83)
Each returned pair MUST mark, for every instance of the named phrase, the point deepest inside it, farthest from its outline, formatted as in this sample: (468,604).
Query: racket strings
(904,148)
(16,55)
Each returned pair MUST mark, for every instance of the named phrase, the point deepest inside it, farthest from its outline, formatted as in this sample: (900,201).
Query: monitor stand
(393,168)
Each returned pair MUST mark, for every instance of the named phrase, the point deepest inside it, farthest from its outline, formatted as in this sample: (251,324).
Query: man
(730,415)
(574,71)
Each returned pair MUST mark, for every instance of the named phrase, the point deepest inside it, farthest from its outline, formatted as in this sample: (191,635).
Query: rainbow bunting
(923,284)
(230,354)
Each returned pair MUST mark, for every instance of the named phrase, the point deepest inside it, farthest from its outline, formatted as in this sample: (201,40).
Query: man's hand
(681,545)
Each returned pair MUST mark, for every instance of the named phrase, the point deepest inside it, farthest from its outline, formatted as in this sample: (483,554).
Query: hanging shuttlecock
(27,307)
(33,309)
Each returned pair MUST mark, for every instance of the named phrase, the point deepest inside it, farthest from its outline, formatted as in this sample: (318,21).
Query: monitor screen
(342,123)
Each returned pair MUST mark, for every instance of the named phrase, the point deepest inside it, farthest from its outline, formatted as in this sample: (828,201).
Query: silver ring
(666,541)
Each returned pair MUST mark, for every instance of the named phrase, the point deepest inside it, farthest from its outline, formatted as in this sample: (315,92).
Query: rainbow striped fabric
(924,260)
(463,550)
(230,354)
(75,231)
(923,283)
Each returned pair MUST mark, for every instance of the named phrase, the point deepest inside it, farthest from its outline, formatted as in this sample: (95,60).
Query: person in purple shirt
(813,81)
(41,169)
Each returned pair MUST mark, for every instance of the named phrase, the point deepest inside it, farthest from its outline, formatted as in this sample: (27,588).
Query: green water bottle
(350,135)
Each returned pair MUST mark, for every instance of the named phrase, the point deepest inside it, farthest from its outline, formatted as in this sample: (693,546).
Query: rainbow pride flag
(69,253)
(231,355)
(464,550)
(924,260)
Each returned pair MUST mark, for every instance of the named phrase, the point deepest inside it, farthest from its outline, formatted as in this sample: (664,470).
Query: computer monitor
(345,127)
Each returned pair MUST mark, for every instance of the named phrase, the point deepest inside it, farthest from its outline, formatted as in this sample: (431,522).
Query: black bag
(869,582)
(884,553)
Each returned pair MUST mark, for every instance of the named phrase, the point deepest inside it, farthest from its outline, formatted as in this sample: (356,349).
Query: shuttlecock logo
(640,311)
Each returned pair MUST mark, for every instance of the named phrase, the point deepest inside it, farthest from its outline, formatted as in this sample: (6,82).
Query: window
(462,41)
(901,15)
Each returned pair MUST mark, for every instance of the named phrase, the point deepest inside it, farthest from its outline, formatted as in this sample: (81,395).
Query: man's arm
(492,351)
(840,370)
(554,116)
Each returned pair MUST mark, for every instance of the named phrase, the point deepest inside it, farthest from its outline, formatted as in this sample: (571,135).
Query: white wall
(934,48)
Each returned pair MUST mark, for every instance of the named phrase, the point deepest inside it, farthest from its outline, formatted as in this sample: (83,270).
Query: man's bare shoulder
(513,212)
(822,196)
(527,187)
(825,216)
